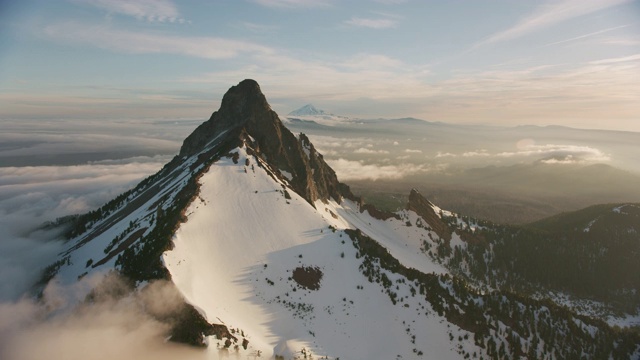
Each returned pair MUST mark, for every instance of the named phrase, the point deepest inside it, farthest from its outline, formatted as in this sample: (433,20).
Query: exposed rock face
(378,214)
(424,209)
(245,111)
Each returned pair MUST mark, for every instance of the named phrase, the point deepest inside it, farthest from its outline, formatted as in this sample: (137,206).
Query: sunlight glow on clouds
(109,327)
(323,50)
(548,153)
(369,151)
(552,153)
(357,170)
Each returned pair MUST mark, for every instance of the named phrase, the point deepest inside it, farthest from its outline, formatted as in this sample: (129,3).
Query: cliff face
(424,208)
(245,110)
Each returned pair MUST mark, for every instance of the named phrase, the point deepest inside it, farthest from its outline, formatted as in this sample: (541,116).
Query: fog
(54,168)
(115,324)
(33,195)
(73,142)
(51,169)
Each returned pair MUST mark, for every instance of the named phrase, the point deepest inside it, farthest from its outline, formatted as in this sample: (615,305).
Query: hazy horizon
(572,63)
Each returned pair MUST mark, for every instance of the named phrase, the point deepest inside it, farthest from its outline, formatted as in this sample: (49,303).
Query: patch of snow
(286,174)
(456,241)
(588,228)
(307,150)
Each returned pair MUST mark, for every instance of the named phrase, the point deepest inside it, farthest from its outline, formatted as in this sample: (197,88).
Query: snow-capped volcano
(306,110)
(310,114)
(272,256)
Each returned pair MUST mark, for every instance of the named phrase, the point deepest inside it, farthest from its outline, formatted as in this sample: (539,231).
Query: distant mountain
(269,254)
(307,110)
(310,116)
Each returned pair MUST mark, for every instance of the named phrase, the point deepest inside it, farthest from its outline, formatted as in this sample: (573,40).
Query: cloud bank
(112,326)
(31,196)
(358,170)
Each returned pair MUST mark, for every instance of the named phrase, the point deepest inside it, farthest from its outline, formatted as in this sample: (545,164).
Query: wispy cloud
(622,59)
(258,28)
(379,23)
(441,154)
(620,41)
(595,33)
(576,94)
(369,151)
(372,61)
(550,14)
(285,75)
(476,153)
(149,10)
(293,3)
(107,37)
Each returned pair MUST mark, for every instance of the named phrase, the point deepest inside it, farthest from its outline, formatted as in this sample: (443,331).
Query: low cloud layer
(561,153)
(357,170)
(31,196)
(548,153)
(113,326)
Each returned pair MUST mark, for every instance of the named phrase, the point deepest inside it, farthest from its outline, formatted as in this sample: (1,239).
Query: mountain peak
(307,110)
(245,111)
(241,104)
(240,99)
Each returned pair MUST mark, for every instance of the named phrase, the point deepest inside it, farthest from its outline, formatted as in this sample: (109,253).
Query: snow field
(235,255)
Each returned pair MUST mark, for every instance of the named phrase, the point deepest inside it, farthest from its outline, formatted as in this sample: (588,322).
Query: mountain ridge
(218,223)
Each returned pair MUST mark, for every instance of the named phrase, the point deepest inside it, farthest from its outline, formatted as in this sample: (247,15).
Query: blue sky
(502,62)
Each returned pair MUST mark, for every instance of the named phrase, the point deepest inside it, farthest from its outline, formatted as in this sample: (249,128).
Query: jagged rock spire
(245,111)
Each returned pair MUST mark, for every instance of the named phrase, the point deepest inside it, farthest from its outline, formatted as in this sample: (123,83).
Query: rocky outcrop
(245,112)
(424,209)
(376,213)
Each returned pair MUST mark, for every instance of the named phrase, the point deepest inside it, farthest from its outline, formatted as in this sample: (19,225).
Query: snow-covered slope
(275,258)
(235,256)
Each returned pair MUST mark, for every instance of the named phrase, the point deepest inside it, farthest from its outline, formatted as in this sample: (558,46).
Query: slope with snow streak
(234,259)
(131,220)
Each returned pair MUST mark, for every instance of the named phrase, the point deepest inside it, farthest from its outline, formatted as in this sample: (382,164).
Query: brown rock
(424,209)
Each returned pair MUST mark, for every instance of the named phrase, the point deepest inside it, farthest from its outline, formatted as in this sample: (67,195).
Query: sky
(500,62)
